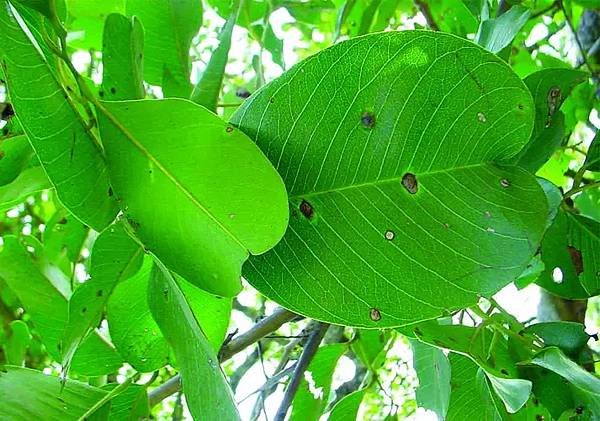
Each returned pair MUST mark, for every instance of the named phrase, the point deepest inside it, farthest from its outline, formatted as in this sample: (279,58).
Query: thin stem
(576,190)
(310,349)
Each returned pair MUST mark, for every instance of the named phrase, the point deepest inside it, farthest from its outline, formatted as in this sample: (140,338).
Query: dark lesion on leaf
(306,209)
(576,258)
(229,129)
(554,101)
(410,183)
(367,119)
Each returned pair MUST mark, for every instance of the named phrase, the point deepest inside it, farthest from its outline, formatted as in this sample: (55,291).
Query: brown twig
(259,330)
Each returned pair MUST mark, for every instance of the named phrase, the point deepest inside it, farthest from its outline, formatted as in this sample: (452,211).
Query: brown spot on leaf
(375,314)
(229,129)
(367,119)
(99,293)
(409,181)
(306,209)
(576,258)
(1,154)
(579,410)
(110,192)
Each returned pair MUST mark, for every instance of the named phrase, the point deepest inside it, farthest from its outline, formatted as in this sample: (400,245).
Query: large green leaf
(86,21)
(570,337)
(30,394)
(386,144)
(210,398)
(57,133)
(433,371)
(15,153)
(169,27)
(571,255)
(122,55)
(313,393)
(214,195)
(43,291)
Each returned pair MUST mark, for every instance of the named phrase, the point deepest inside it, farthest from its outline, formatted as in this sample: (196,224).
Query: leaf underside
(391,147)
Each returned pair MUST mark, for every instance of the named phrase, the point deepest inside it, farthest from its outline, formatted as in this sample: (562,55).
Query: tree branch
(424,9)
(262,328)
(310,349)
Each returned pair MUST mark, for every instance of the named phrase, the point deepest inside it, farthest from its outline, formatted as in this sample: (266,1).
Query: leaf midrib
(166,172)
(384,180)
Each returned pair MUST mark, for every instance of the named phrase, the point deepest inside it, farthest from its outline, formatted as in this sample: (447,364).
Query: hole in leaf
(505,183)
(481,117)
(242,93)
(557,275)
(389,235)
(375,314)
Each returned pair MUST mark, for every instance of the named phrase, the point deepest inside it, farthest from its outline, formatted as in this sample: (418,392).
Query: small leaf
(17,342)
(15,154)
(550,88)
(513,392)
(29,182)
(570,337)
(207,392)
(134,332)
(30,394)
(347,407)
(65,148)
(215,198)
(115,257)
(592,159)
(208,89)
(433,371)
(169,27)
(122,55)
(496,34)
(313,393)
(43,291)
(571,255)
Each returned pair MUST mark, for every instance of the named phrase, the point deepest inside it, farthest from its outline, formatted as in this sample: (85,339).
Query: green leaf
(131,404)
(398,212)
(370,346)
(454,16)
(30,394)
(29,182)
(15,154)
(208,89)
(571,255)
(347,407)
(169,27)
(514,393)
(433,371)
(550,390)
(17,342)
(43,291)
(550,88)
(570,337)
(86,21)
(64,238)
(122,53)
(496,34)
(471,397)
(65,148)
(313,393)
(207,392)
(215,197)
(592,159)
(585,386)
(115,257)
(134,332)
